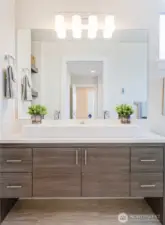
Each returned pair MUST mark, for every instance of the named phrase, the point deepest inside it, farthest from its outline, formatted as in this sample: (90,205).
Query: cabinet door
(105,172)
(56,172)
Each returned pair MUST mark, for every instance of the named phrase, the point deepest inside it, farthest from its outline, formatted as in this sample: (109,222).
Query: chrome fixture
(106,114)
(56,115)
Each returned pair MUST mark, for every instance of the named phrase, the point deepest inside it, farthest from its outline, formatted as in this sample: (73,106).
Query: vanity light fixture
(60,26)
(109,26)
(92,26)
(76,26)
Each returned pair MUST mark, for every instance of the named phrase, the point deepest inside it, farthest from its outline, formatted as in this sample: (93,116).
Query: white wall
(23,68)
(7,45)
(126,68)
(129,13)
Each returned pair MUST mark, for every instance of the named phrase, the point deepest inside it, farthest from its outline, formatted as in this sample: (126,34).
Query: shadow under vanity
(83,170)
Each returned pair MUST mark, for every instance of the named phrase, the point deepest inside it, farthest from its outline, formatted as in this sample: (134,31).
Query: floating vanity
(91,168)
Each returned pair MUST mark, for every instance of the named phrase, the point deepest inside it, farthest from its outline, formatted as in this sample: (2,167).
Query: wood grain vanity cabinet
(75,172)
(56,172)
(101,171)
(147,172)
(105,172)
(15,172)
(82,170)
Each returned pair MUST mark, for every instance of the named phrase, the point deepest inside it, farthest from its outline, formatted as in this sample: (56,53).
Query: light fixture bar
(109,26)
(60,27)
(92,26)
(76,26)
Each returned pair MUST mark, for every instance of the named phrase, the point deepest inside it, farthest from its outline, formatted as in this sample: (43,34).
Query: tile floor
(80,212)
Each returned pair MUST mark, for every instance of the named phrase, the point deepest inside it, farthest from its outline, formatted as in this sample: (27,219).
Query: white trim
(65,87)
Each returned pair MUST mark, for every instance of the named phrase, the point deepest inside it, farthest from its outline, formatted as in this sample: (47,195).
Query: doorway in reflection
(85,84)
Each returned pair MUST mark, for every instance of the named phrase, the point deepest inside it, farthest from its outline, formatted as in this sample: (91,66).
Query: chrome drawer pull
(148,160)
(13,160)
(14,186)
(86,157)
(147,185)
(76,157)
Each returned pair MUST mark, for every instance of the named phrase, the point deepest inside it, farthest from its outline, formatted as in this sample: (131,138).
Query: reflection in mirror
(84,78)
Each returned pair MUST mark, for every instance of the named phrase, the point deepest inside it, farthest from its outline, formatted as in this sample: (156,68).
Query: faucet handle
(57,115)
(106,114)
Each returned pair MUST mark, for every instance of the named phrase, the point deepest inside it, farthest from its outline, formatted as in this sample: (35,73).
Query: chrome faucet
(56,115)
(106,114)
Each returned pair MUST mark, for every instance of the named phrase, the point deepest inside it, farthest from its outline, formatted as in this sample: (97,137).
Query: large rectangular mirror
(84,78)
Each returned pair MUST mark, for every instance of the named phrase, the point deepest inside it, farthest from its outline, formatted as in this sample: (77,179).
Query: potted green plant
(124,112)
(37,113)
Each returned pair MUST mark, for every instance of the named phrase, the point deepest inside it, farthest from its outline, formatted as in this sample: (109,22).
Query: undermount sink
(77,130)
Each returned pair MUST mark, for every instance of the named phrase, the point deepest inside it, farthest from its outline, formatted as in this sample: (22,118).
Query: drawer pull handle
(76,157)
(14,186)
(148,160)
(148,186)
(13,160)
(86,157)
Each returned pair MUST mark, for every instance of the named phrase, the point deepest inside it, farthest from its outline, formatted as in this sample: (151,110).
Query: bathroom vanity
(83,170)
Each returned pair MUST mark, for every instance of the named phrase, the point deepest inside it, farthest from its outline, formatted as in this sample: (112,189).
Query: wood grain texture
(15,185)
(108,160)
(57,172)
(105,172)
(81,212)
(147,159)
(105,185)
(147,185)
(15,160)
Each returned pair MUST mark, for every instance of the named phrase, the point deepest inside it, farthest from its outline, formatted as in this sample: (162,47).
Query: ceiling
(118,35)
(85,68)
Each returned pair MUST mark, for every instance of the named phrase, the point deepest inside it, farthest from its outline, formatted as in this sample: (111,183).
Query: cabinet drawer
(147,185)
(15,185)
(149,159)
(16,160)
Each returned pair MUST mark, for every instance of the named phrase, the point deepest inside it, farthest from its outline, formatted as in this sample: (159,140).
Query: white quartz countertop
(147,138)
